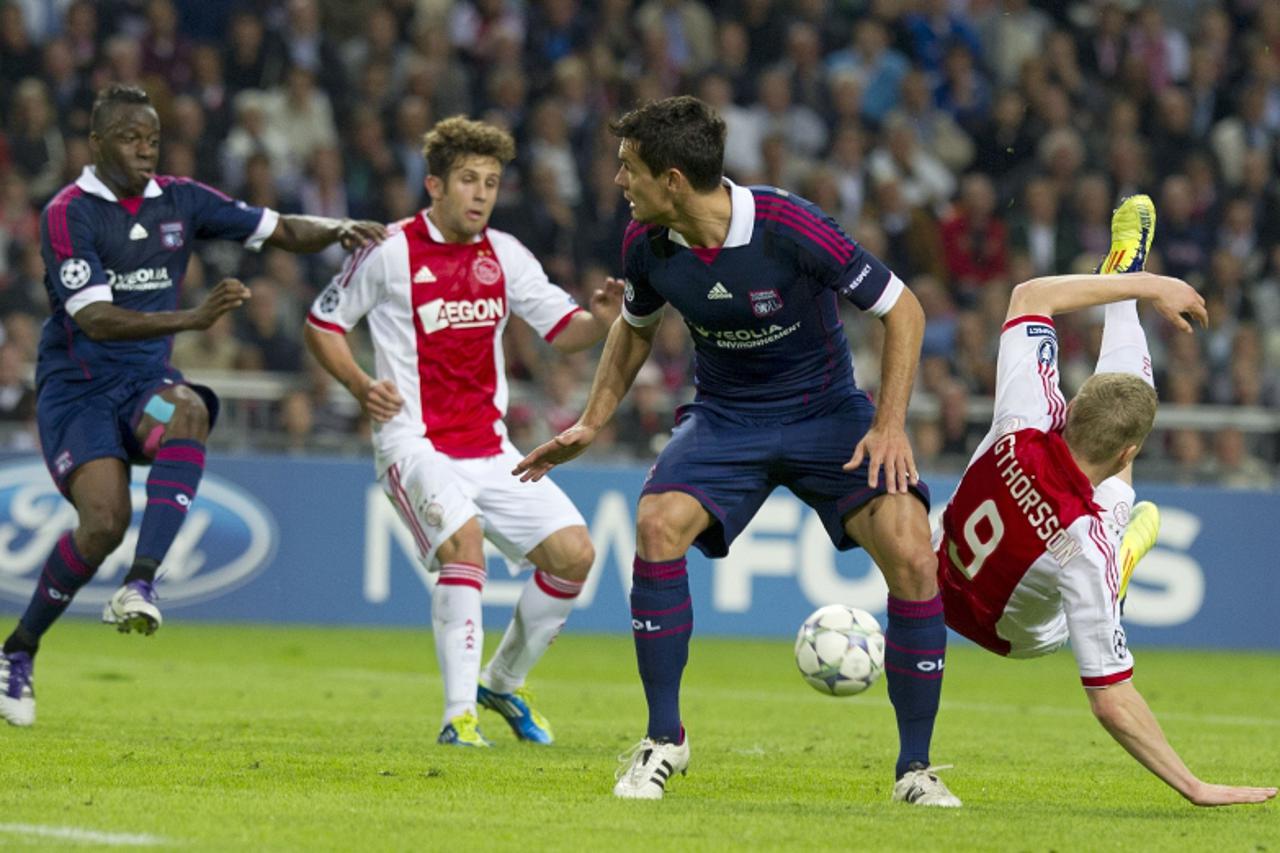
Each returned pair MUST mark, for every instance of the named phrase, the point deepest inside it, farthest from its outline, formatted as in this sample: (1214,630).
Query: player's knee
(577,558)
(103,525)
(656,537)
(918,569)
(190,417)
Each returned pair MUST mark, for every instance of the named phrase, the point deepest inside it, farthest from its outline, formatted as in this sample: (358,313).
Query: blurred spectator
(35,143)
(1013,35)
(913,242)
(974,238)
(323,194)
(1234,466)
(802,128)
(690,31)
(304,43)
(17,401)
(19,54)
(935,129)
(924,180)
(252,134)
(71,98)
(302,115)
(1162,49)
(644,424)
(935,28)
(247,63)
(803,64)
(964,92)
(880,68)
(266,331)
(1041,232)
(744,130)
(166,53)
(214,348)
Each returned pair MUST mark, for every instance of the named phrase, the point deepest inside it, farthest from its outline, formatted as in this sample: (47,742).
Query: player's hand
(887,447)
(227,295)
(606,302)
(1206,794)
(354,233)
(1179,303)
(565,446)
(381,400)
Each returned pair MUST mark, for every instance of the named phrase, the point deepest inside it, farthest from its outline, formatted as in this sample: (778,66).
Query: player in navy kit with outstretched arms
(116,245)
(757,274)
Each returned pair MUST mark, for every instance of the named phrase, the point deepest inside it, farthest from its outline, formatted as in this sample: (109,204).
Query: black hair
(109,97)
(680,133)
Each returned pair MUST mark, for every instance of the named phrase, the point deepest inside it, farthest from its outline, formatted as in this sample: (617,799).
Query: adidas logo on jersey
(424,275)
(719,292)
(137,232)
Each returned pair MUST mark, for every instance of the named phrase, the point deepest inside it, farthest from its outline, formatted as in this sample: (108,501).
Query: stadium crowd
(970,144)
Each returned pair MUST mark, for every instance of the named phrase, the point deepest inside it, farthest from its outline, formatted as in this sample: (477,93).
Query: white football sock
(459,633)
(544,606)
(1124,343)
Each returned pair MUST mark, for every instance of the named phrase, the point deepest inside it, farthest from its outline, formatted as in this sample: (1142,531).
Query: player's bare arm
(1057,294)
(587,328)
(380,399)
(625,350)
(298,233)
(1125,715)
(104,321)
(886,444)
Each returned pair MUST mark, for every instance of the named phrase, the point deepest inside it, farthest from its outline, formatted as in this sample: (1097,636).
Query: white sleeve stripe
(266,227)
(641,322)
(888,298)
(88,296)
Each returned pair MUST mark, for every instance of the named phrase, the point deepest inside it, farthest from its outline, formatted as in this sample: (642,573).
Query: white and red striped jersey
(1027,547)
(436,314)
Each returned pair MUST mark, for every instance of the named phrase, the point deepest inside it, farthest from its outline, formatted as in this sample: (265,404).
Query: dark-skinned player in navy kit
(116,243)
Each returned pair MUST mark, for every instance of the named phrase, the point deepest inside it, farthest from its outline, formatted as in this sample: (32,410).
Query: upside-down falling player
(1030,550)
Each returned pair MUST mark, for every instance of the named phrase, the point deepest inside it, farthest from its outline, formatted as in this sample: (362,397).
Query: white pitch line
(86,836)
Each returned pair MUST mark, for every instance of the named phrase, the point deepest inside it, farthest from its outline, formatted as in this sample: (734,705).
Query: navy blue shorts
(85,419)
(731,462)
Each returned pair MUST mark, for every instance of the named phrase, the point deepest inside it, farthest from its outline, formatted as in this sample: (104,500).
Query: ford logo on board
(228,538)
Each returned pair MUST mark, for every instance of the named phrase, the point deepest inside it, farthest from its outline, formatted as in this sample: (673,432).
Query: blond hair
(1112,411)
(457,137)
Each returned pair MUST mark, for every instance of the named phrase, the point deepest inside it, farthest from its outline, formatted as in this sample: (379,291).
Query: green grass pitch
(254,738)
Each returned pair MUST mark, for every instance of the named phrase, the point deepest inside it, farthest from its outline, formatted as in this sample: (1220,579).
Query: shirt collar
(438,236)
(742,218)
(92,184)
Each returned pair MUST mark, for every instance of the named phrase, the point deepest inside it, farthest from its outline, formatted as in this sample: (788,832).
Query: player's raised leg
(172,430)
(100,491)
(662,624)
(1124,349)
(894,530)
(562,562)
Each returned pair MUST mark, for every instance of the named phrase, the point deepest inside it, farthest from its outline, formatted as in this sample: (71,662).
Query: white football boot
(17,694)
(920,786)
(647,767)
(133,608)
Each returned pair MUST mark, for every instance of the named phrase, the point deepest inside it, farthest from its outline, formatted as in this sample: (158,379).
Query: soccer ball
(840,650)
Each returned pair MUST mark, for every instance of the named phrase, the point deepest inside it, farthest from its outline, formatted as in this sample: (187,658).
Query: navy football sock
(661,622)
(64,572)
(171,487)
(914,655)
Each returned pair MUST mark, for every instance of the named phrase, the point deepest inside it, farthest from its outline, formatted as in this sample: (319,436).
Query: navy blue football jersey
(131,252)
(762,309)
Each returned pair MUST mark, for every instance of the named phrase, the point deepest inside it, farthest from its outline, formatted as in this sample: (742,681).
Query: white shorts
(435,495)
